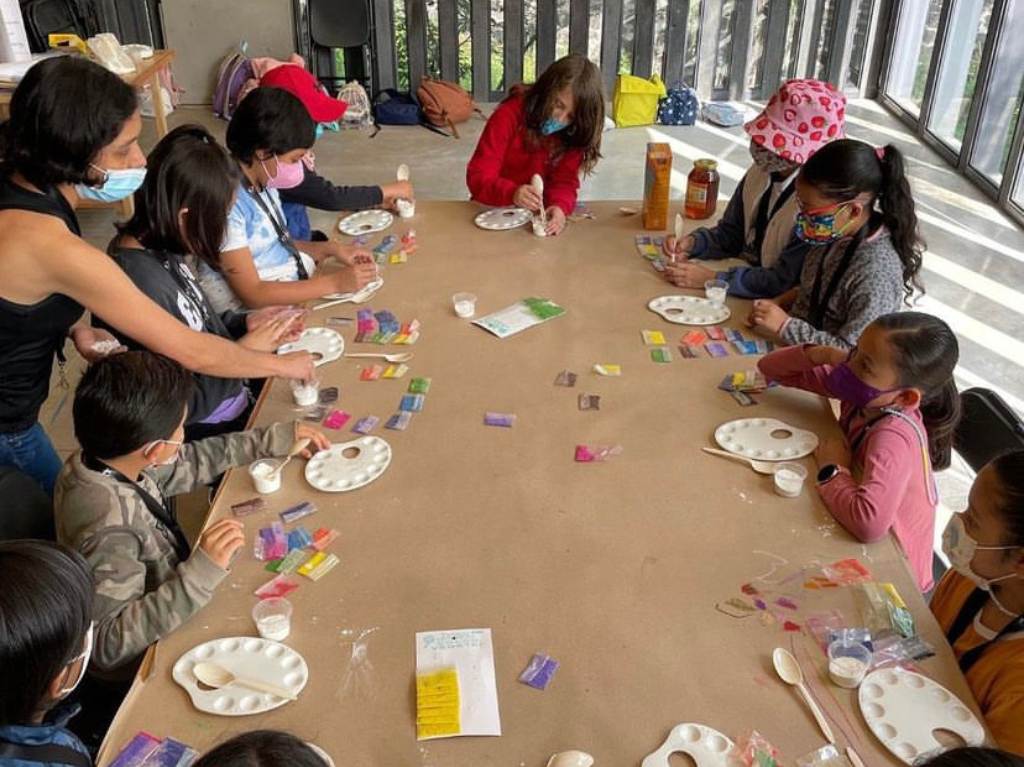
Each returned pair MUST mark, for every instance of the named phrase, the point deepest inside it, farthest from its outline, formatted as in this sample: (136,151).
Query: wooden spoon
(216,676)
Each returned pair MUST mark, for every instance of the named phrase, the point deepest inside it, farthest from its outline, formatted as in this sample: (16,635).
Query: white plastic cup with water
(273,618)
(715,291)
(464,305)
(789,479)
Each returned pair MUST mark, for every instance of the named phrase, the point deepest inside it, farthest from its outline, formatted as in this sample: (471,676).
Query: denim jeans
(31,452)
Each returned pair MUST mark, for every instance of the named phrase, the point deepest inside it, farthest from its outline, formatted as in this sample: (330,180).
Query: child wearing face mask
(551,128)
(979,603)
(110,501)
(857,213)
(758,224)
(899,407)
(46,637)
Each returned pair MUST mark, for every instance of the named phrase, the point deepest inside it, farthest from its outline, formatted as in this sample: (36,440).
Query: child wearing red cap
(552,128)
(304,187)
(758,223)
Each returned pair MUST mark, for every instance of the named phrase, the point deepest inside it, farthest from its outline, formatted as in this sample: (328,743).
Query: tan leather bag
(445,103)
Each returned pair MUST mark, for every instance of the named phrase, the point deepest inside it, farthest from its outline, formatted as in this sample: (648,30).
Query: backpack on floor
(235,71)
(359,113)
(46,17)
(679,107)
(445,103)
(392,107)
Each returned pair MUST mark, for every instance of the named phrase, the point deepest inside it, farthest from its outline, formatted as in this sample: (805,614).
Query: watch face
(827,472)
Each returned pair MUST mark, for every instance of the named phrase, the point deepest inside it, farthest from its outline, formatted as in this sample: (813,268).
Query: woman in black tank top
(52,156)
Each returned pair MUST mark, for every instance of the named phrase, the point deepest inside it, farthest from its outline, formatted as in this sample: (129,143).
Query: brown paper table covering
(613,569)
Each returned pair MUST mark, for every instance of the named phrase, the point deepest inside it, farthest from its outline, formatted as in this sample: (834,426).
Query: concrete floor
(974,267)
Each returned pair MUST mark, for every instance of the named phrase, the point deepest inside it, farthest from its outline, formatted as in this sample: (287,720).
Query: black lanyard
(156,508)
(174,265)
(965,618)
(282,232)
(44,753)
(763,216)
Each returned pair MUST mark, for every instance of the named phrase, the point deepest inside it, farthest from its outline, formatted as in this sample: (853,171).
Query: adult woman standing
(54,154)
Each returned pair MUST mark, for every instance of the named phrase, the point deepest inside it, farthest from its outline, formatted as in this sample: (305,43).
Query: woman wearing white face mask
(980,602)
(53,158)
(45,645)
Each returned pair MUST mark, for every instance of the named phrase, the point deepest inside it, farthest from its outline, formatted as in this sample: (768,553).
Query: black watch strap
(827,473)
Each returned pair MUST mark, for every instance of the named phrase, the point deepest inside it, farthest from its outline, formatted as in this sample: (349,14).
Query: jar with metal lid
(702,189)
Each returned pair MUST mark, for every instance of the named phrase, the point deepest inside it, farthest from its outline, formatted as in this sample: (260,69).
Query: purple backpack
(235,71)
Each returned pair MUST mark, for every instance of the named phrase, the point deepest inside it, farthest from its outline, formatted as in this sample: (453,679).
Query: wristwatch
(827,473)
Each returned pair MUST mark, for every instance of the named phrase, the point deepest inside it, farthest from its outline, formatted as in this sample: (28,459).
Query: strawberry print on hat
(799,119)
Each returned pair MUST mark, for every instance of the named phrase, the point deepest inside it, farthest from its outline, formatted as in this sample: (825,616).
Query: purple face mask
(844,384)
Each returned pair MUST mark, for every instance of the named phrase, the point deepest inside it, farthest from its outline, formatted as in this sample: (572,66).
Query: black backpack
(46,17)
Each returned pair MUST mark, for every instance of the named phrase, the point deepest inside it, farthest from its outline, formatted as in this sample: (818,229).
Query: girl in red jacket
(552,128)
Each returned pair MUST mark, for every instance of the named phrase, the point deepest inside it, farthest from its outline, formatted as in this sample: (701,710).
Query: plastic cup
(406,208)
(464,304)
(306,393)
(848,663)
(716,290)
(789,479)
(539,227)
(265,478)
(273,618)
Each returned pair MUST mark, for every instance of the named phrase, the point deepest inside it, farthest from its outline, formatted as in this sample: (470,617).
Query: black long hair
(261,748)
(1009,470)
(972,756)
(186,169)
(63,112)
(843,169)
(925,351)
(45,612)
(270,119)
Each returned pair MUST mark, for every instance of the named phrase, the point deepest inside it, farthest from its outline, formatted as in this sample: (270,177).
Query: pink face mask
(289,175)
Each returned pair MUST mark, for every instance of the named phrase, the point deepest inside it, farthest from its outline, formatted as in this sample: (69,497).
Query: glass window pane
(912,54)
(1017,195)
(723,54)
(755,64)
(860,39)
(824,39)
(796,9)
(958,72)
(498,45)
(692,38)
(1002,97)
(626,39)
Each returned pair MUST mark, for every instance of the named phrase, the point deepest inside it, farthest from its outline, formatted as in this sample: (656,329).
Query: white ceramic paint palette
(360,296)
(767,439)
(324,342)
(500,219)
(689,310)
(707,747)
(903,708)
(258,659)
(365,222)
(348,465)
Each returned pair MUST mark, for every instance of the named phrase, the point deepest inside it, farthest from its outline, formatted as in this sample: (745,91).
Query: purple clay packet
(539,671)
(716,349)
(506,420)
(715,333)
(366,425)
(399,421)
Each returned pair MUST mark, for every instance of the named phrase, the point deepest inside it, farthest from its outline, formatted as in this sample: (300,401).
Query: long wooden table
(614,569)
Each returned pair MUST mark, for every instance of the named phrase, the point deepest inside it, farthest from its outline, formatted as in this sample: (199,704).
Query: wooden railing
(725,48)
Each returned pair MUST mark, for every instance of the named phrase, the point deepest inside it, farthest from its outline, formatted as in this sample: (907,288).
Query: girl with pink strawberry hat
(758,224)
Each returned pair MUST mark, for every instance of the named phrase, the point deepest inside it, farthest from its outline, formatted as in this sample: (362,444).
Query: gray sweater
(871,287)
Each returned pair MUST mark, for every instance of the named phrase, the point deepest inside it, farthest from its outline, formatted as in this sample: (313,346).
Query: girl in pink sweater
(899,409)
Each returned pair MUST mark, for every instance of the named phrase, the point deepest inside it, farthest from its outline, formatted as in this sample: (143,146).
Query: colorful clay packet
(694,338)
(136,751)
(399,258)
(319,565)
(339,322)
(438,704)
(539,671)
(408,334)
(366,424)
(596,453)
(270,543)
(506,420)
(744,380)
(251,506)
(297,512)
(653,337)
(716,349)
(659,264)
(409,243)
(742,398)
(328,395)
(649,247)
(288,563)
(395,371)
(543,308)
(607,369)
(323,538)
(419,386)
(412,403)
(745,347)
(690,352)
(371,373)
(565,378)
(337,419)
(399,421)
(661,354)
(589,402)
(278,586)
(299,538)
(715,333)
(733,335)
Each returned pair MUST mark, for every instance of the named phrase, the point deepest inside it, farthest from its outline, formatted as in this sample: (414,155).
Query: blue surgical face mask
(319,130)
(117,184)
(551,125)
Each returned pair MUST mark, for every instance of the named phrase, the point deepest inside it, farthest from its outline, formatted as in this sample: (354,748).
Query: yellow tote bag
(635,101)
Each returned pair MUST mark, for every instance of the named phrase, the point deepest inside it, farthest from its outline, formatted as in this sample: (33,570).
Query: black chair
(26,511)
(343,24)
(988,428)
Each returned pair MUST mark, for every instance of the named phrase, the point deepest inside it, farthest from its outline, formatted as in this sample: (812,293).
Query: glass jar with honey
(702,189)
